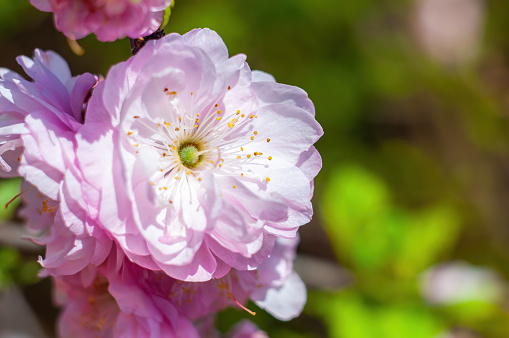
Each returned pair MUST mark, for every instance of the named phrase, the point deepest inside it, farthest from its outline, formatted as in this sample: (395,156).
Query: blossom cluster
(165,192)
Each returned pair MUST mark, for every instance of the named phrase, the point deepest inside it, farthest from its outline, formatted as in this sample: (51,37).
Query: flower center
(189,155)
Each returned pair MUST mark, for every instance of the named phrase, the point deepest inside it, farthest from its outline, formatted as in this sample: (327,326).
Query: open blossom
(90,310)
(44,114)
(39,121)
(274,286)
(108,19)
(119,298)
(202,163)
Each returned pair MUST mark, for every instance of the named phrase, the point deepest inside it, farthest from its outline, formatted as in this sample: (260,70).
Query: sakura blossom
(40,119)
(119,297)
(91,310)
(203,163)
(274,286)
(108,20)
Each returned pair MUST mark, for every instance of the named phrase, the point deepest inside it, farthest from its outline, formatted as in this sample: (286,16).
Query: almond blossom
(121,299)
(39,122)
(107,19)
(200,163)
(90,310)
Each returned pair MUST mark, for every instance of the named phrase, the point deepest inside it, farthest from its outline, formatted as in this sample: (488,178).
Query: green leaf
(166,15)
(427,235)
(347,314)
(355,203)
(343,314)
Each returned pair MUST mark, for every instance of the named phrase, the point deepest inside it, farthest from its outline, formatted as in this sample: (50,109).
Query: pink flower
(246,329)
(274,286)
(39,121)
(108,19)
(119,298)
(41,117)
(243,329)
(91,310)
(203,163)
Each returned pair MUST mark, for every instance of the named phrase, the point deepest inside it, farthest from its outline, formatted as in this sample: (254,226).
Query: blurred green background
(410,236)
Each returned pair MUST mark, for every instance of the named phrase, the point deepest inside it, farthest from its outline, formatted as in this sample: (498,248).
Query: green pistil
(188,154)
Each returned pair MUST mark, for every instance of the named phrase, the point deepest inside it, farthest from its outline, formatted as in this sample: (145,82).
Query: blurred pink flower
(450,30)
(203,163)
(459,282)
(244,329)
(107,19)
